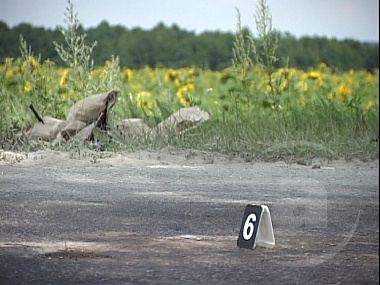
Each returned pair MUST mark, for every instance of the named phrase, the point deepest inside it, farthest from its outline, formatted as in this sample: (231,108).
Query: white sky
(340,19)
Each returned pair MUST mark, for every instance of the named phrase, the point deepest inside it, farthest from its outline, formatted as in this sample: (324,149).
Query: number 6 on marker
(249,226)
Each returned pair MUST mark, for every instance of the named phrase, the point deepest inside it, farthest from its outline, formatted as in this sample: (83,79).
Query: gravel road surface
(174,218)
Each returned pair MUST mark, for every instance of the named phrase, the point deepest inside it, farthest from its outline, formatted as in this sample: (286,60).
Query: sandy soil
(173,217)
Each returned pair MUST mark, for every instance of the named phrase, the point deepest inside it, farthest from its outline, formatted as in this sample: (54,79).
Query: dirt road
(174,217)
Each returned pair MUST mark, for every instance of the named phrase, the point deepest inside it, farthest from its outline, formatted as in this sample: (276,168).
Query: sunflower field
(148,92)
(253,106)
(256,110)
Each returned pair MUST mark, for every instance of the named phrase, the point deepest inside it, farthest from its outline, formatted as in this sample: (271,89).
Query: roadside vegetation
(259,110)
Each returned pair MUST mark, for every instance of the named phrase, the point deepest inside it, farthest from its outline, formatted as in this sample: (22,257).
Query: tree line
(173,47)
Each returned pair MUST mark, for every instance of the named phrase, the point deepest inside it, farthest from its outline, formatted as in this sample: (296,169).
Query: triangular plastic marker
(265,235)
